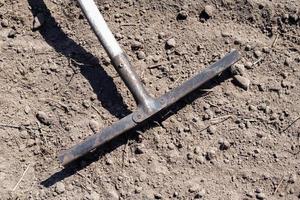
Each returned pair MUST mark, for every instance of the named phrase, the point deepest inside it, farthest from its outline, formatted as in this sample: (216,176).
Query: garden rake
(147,106)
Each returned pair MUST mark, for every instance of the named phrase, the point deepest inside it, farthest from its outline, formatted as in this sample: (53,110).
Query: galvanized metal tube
(100,27)
(116,54)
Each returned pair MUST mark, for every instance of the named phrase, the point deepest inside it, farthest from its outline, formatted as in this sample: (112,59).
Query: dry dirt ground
(236,138)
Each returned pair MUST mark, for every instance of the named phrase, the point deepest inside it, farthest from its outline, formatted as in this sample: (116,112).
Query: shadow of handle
(101,83)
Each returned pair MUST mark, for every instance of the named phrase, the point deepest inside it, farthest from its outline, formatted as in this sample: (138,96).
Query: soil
(236,138)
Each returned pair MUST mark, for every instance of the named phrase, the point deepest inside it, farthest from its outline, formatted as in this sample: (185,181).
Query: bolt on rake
(147,106)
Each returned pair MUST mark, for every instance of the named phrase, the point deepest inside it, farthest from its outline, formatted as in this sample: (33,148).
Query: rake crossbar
(147,106)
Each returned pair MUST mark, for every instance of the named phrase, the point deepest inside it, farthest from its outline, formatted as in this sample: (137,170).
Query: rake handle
(118,57)
(100,28)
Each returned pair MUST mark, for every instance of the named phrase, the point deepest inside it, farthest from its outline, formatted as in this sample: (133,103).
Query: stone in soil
(140,149)
(207,12)
(182,15)
(194,188)
(293,178)
(238,69)
(242,82)
(224,144)
(210,155)
(200,194)
(197,150)
(86,103)
(43,117)
(135,45)
(27,109)
(94,125)
(212,130)
(60,188)
(260,196)
(12,33)
(38,21)
(257,54)
(171,43)
(141,55)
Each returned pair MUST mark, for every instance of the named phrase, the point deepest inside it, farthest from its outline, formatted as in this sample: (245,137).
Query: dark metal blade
(164,101)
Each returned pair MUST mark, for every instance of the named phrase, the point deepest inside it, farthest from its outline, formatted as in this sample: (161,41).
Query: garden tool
(147,106)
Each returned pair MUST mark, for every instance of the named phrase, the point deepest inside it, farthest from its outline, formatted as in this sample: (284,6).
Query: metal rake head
(147,106)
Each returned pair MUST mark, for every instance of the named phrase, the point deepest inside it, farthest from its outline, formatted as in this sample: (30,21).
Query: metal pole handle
(117,55)
(100,27)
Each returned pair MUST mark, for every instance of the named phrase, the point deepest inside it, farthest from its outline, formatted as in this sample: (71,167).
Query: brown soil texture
(237,137)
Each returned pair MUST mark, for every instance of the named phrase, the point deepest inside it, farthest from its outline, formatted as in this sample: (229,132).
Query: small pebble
(293,178)
(86,103)
(266,50)
(175,194)
(171,43)
(200,194)
(212,130)
(200,159)
(12,33)
(210,155)
(4,23)
(206,106)
(281,194)
(135,45)
(109,161)
(43,117)
(30,143)
(257,54)
(38,21)
(60,188)
(197,150)
(157,196)
(24,134)
(252,108)
(194,188)
(138,190)
(119,36)
(288,61)
(94,125)
(224,144)
(248,65)
(291,191)
(258,190)
(260,196)
(182,15)
(225,34)
(93,97)
(27,109)
(250,194)
(238,69)
(141,55)
(208,12)
(243,82)
(140,149)
(161,35)
(171,146)
(248,47)
(189,156)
